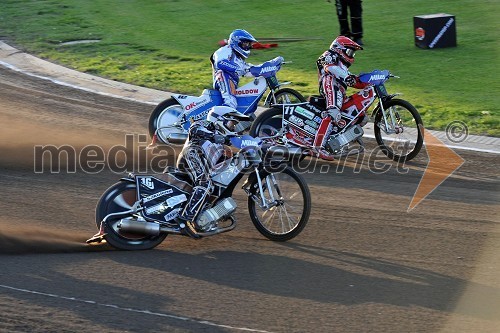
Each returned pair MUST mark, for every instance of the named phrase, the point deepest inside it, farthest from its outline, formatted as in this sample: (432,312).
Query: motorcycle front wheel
(162,119)
(119,198)
(400,133)
(289,205)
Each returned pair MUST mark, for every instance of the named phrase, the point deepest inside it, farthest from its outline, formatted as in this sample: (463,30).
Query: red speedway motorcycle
(398,127)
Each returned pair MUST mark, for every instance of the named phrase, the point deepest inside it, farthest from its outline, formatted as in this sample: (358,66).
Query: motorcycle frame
(224,192)
(247,102)
(382,96)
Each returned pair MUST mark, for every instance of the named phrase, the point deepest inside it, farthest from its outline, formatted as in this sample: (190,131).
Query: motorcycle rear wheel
(403,146)
(165,114)
(118,198)
(290,214)
(286,96)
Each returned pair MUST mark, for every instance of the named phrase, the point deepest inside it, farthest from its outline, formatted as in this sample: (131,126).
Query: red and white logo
(190,106)
(420,33)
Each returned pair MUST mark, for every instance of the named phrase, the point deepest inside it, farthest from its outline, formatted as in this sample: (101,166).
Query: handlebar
(376,77)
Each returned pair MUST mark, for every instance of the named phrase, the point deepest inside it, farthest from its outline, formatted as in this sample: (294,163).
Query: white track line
(147,312)
(371,136)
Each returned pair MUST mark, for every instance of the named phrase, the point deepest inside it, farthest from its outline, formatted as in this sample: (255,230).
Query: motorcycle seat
(177,178)
(318,101)
(177,173)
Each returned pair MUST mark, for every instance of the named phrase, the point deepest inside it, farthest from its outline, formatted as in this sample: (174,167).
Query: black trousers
(354,7)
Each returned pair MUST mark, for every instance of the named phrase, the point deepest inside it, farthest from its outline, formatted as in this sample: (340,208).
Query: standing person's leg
(341,7)
(356,11)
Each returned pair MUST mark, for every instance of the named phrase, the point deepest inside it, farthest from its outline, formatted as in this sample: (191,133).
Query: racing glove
(219,138)
(335,114)
(278,60)
(350,80)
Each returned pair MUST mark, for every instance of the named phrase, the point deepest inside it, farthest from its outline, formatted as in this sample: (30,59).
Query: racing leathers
(228,67)
(334,78)
(203,148)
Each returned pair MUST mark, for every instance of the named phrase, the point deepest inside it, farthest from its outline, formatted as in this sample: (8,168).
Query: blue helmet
(241,41)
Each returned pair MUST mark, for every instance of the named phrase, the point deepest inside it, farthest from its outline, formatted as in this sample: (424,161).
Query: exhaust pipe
(177,138)
(144,228)
(278,152)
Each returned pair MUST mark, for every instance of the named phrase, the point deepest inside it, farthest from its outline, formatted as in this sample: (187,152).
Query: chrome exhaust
(177,138)
(284,152)
(133,226)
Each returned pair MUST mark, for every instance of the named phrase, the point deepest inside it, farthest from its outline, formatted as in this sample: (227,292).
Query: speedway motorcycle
(398,127)
(170,120)
(139,211)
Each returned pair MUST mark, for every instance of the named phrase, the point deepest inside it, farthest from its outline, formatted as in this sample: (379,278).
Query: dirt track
(363,264)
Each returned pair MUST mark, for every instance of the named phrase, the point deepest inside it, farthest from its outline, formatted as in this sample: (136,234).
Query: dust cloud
(31,240)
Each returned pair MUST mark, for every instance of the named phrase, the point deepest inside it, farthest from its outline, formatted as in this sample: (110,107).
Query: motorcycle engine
(351,134)
(220,211)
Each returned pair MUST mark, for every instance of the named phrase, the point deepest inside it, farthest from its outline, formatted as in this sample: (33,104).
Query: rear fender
(197,107)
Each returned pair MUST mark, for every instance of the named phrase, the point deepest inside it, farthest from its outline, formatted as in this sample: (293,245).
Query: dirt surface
(362,264)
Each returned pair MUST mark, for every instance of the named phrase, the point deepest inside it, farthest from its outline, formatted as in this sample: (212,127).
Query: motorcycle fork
(270,183)
(270,98)
(388,128)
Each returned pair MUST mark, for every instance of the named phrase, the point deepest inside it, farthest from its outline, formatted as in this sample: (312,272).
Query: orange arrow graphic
(442,163)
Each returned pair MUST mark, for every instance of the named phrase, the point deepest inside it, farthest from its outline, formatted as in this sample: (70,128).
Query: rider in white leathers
(229,65)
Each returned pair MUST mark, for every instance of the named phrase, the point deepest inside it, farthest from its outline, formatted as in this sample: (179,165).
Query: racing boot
(192,208)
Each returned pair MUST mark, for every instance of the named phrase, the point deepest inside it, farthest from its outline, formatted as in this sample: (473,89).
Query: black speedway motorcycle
(139,211)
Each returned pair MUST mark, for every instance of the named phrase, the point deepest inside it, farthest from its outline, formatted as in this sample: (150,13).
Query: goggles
(230,124)
(350,53)
(246,45)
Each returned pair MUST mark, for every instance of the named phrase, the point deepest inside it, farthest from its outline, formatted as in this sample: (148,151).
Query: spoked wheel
(119,198)
(289,199)
(288,96)
(163,117)
(268,123)
(400,135)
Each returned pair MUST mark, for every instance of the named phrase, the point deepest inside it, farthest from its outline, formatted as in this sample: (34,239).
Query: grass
(166,45)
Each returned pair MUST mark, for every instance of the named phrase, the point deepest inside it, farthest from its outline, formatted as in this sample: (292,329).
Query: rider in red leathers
(334,76)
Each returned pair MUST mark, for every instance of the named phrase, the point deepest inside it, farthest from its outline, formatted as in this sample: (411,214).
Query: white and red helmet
(345,47)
